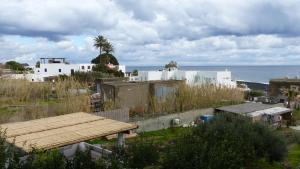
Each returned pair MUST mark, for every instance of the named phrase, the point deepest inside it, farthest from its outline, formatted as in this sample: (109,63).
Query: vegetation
(255,93)
(90,76)
(187,97)
(228,141)
(13,65)
(103,60)
(135,72)
(172,64)
(225,142)
(23,100)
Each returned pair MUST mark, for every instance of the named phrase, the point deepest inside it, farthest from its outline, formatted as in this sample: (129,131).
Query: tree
(108,48)
(100,42)
(13,65)
(228,141)
(106,58)
(135,72)
(172,64)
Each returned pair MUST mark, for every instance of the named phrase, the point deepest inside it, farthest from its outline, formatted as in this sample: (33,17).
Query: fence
(118,114)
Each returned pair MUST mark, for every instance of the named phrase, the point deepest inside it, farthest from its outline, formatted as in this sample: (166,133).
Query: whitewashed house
(191,77)
(50,67)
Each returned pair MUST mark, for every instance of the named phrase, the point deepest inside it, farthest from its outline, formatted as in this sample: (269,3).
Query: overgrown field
(195,97)
(22,100)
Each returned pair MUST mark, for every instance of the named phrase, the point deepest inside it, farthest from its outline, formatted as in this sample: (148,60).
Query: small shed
(258,112)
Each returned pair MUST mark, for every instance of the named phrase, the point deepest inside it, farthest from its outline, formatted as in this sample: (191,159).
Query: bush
(13,65)
(142,154)
(228,141)
(90,76)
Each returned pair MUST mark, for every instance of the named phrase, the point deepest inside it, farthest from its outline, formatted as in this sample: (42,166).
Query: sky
(153,32)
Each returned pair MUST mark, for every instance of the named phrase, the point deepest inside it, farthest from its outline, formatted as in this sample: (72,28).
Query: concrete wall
(164,122)
(276,86)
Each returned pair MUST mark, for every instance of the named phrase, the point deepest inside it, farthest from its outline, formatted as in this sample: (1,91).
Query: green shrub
(228,141)
(142,154)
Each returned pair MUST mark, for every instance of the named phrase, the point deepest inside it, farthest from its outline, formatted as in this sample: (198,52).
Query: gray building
(136,95)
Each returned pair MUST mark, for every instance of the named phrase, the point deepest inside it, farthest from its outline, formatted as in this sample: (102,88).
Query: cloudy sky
(153,32)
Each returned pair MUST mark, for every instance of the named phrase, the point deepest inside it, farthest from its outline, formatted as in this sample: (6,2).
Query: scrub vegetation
(195,97)
(23,100)
(225,142)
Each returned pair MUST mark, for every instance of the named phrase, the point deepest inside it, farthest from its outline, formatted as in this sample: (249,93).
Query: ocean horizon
(257,73)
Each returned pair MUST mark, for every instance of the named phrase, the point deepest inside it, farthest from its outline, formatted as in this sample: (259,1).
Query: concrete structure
(278,87)
(136,95)
(51,67)
(259,112)
(191,77)
(164,122)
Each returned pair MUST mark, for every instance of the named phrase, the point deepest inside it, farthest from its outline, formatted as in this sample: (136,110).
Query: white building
(191,77)
(50,67)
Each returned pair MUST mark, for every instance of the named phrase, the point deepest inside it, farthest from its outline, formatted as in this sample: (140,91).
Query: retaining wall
(164,122)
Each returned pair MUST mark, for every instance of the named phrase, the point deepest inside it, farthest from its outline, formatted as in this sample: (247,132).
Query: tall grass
(195,97)
(26,100)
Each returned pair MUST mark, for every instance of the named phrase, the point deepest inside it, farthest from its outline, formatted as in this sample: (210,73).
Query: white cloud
(147,32)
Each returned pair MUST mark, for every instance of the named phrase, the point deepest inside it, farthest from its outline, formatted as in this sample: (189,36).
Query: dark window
(89,67)
(72,71)
(45,70)
(59,70)
(32,79)
(82,67)
(38,70)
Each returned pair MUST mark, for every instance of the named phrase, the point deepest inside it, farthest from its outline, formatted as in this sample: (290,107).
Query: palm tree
(108,48)
(100,42)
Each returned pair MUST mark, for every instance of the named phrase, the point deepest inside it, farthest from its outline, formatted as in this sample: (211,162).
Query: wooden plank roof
(53,132)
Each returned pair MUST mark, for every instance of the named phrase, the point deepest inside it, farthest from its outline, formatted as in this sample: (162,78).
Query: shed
(258,111)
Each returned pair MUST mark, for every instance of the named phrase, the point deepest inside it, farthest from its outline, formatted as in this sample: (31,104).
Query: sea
(260,74)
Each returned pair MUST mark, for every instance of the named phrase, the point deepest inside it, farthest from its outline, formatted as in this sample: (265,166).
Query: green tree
(13,65)
(108,48)
(171,64)
(228,141)
(99,43)
(135,72)
(105,59)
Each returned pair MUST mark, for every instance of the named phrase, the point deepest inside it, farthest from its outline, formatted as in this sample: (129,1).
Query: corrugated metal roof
(270,111)
(245,108)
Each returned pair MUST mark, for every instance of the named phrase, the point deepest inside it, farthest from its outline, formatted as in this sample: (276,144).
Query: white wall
(55,69)
(191,77)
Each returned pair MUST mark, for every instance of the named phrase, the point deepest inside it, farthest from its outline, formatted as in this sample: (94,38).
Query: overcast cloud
(153,32)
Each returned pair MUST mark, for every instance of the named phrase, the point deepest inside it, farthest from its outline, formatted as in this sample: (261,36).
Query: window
(82,67)
(59,70)
(45,70)
(89,67)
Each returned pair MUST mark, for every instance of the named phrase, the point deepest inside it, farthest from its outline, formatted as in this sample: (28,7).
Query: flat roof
(54,132)
(287,80)
(245,108)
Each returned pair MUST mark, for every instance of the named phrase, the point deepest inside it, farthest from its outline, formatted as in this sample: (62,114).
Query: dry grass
(196,97)
(22,100)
